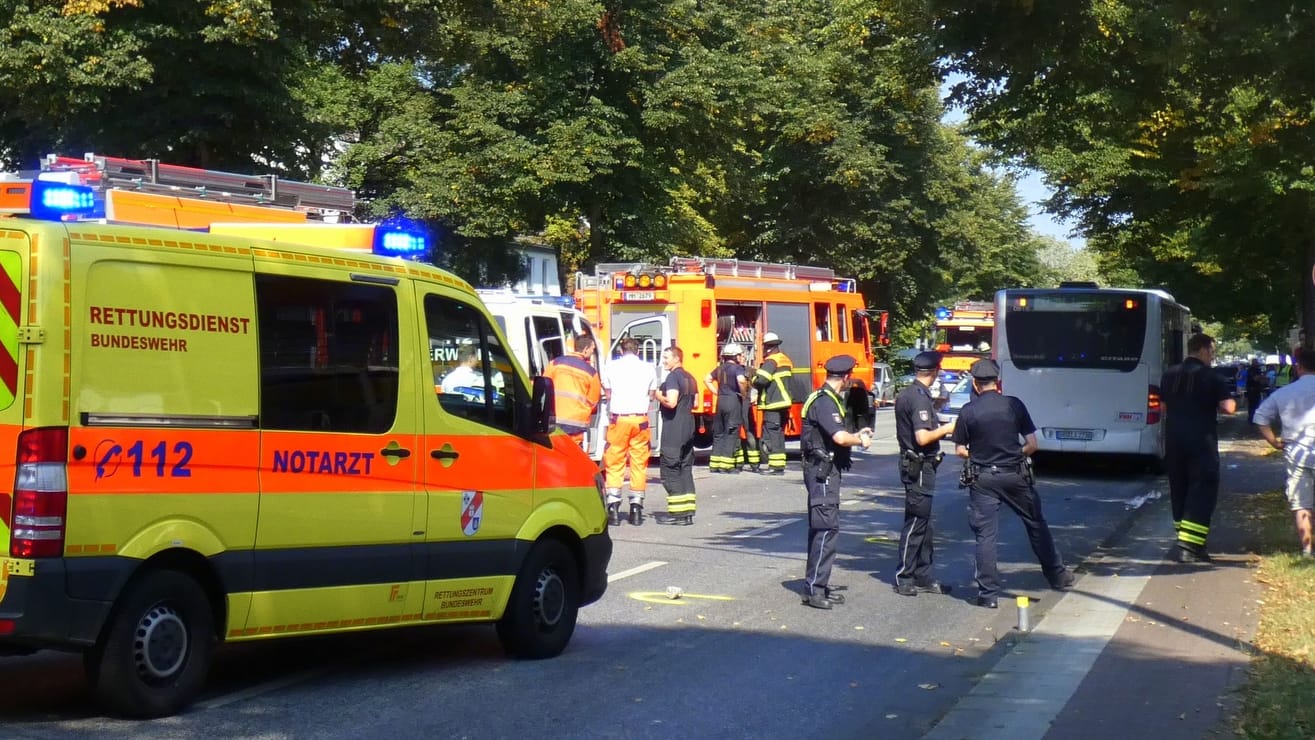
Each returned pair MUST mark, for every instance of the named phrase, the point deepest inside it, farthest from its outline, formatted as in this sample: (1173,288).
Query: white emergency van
(539,329)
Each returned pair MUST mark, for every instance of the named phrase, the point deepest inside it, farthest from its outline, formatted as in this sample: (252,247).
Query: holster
(966,476)
(821,461)
(1026,470)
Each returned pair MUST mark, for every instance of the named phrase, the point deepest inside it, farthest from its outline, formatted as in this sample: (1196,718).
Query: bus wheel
(154,653)
(545,600)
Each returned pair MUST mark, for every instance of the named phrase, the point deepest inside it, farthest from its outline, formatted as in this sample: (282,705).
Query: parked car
(959,395)
(883,387)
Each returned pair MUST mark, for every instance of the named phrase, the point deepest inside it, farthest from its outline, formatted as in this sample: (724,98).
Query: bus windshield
(1080,330)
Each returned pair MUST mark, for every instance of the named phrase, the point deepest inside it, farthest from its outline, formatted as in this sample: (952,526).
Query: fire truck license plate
(638,295)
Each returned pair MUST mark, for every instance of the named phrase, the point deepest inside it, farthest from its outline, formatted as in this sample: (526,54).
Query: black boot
(662,517)
(636,514)
(614,514)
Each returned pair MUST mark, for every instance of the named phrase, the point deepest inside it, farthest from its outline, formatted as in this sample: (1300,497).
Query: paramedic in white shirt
(628,383)
(1293,407)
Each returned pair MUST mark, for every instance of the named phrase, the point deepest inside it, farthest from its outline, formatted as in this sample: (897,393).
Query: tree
(1174,132)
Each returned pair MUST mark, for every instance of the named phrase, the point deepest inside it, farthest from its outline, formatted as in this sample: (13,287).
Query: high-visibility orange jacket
(577,390)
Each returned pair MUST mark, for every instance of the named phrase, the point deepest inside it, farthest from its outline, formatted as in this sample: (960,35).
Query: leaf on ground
(858,626)
(945,644)
(901,639)
(892,715)
(929,686)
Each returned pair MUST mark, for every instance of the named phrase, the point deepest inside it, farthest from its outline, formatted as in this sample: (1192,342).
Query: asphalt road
(735,656)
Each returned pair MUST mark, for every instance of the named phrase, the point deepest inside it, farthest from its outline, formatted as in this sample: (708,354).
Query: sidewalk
(1142,647)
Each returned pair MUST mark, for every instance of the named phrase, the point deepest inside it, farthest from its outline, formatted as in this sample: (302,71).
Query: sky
(1031,190)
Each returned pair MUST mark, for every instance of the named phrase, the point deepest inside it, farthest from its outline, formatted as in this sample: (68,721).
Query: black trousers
(676,463)
(984,500)
(773,438)
(823,527)
(915,539)
(1253,403)
(747,452)
(725,433)
(1193,490)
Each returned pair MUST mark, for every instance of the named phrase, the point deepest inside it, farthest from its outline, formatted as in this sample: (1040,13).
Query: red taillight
(40,494)
(705,313)
(7,626)
(1153,405)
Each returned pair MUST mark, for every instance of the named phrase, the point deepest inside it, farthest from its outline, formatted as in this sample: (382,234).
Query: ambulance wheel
(154,653)
(545,600)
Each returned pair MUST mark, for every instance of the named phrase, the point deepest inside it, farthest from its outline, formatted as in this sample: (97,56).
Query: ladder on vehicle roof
(152,176)
(726,266)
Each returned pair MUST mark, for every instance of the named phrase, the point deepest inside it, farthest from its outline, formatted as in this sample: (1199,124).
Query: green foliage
(804,131)
(1176,134)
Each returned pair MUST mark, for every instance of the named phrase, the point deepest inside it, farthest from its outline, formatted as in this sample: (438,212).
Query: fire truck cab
(701,303)
(963,334)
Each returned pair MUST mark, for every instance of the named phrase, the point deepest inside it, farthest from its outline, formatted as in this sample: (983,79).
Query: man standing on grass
(1293,407)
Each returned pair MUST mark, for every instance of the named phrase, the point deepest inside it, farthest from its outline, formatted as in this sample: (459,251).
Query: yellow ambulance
(218,438)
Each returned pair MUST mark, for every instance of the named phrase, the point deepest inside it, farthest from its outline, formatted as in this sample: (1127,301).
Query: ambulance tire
(545,600)
(154,654)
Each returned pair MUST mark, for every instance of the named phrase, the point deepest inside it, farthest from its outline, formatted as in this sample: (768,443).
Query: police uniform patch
(922,415)
(837,419)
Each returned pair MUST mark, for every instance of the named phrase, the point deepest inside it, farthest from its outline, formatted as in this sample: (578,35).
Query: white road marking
(765,529)
(635,571)
(254,691)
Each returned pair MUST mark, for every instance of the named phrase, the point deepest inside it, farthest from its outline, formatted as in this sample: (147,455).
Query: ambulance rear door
(15,246)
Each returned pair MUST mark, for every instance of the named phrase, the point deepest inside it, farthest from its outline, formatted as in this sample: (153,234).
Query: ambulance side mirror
(542,416)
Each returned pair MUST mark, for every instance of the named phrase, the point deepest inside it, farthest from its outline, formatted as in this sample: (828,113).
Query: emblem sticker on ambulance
(472,511)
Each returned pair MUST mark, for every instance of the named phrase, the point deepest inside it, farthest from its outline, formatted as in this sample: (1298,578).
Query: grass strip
(1278,698)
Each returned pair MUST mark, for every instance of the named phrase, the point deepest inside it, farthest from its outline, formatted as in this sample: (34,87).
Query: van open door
(653,334)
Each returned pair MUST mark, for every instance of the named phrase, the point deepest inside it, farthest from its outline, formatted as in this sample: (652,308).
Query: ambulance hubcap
(159,645)
(549,598)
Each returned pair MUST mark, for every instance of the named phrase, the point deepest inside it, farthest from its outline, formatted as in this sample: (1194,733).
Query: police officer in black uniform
(999,472)
(825,445)
(919,436)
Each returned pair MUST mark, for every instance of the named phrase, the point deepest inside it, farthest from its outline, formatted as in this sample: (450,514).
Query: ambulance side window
(473,373)
(328,355)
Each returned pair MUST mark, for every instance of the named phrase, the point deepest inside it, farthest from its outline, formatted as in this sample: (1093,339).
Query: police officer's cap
(840,365)
(927,361)
(984,370)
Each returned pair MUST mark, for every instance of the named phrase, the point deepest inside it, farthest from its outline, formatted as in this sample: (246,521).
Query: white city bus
(1087,363)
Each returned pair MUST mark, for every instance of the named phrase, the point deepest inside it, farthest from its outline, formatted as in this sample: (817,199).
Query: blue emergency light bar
(55,201)
(943,313)
(399,240)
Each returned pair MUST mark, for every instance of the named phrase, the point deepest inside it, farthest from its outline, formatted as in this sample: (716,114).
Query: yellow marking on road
(661,597)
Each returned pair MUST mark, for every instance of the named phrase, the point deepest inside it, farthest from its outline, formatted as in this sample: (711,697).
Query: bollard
(1024,614)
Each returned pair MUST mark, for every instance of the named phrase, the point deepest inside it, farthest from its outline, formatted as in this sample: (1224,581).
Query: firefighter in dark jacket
(825,445)
(919,434)
(772,379)
(729,382)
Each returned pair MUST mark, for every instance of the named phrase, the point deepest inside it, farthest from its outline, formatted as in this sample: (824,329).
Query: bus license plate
(638,295)
(1084,435)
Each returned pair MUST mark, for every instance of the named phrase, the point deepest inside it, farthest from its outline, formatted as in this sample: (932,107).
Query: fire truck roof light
(397,240)
(943,313)
(54,201)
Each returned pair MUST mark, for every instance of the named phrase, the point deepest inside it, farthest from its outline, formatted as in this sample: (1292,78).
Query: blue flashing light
(401,240)
(55,201)
(943,313)
(566,300)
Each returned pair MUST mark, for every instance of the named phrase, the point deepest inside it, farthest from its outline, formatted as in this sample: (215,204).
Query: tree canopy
(805,131)
(1175,132)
